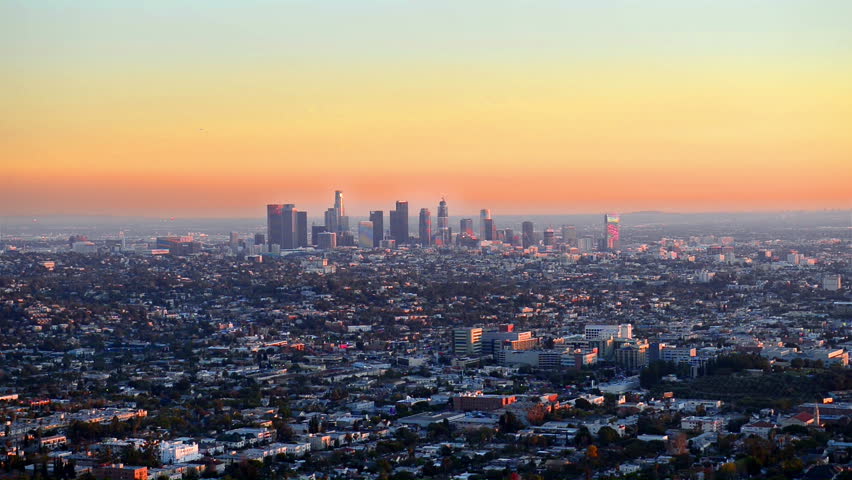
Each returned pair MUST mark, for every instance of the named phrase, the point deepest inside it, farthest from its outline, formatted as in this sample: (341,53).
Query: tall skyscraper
(289,226)
(527,234)
(484,214)
(548,237)
(331,220)
(425,226)
(466,227)
(612,232)
(338,203)
(510,236)
(489,230)
(341,220)
(378,219)
(301,229)
(281,225)
(234,239)
(443,233)
(275,224)
(365,234)
(399,223)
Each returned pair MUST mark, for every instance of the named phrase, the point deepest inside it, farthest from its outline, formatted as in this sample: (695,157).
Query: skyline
(177,110)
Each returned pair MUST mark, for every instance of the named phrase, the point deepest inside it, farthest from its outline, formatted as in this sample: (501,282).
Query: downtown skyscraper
(612,232)
(365,234)
(569,235)
(527,234)
(443,234)
(378,219)
(281,224)
(399,223)
(331,220)
(484,214)
(301,229)
(489,230)
(341,220)
(466,227)
(425,226)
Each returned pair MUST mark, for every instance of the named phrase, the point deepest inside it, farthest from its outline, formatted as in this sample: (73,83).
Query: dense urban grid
(501,350)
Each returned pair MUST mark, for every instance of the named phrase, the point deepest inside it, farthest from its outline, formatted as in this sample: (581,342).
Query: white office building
(178,452)
(603,332)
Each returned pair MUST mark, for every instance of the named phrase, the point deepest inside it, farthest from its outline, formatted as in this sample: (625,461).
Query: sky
(215,108)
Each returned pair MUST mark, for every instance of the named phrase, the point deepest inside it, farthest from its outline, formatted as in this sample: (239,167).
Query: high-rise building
(489,230)
(548,237)
(443,234)
(365,234)
(341,221)
(527,234)
(315,232)
(399,223)
(466,227)
(632,355)
(259,239)
(507,338)
(425,226)
(586,244)
(301,229)
(234,239)
(289,226)
(338,203)
(275,224)
(327,240)
(378,219)
(467,341)
(569,235)
(509,236)
(597,331)
(484,214)
(281,225)
(612,233)
(331,220)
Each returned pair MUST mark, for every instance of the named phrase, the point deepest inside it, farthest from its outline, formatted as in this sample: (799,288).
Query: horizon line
(472,214)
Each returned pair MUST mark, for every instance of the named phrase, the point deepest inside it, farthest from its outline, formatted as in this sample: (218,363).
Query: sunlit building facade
(612,232)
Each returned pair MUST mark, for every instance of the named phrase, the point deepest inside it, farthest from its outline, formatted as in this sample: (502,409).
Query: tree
(536,414)
(509,423)
(479,436)
(728,471)
(607,436)
(583,437)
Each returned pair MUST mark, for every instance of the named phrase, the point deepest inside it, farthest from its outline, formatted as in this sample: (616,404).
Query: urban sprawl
(494,351)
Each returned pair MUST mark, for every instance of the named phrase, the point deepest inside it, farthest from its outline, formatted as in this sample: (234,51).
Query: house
(760,429)
(802,419)
(702,424)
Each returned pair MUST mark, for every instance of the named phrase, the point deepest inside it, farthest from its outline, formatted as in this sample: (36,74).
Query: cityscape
(370,349)
(425,240)
(287,229)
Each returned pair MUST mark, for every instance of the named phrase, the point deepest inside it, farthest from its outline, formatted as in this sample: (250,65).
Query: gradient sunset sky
(214,108)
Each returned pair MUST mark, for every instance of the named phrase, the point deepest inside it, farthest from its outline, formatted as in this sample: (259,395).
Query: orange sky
(144,115)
